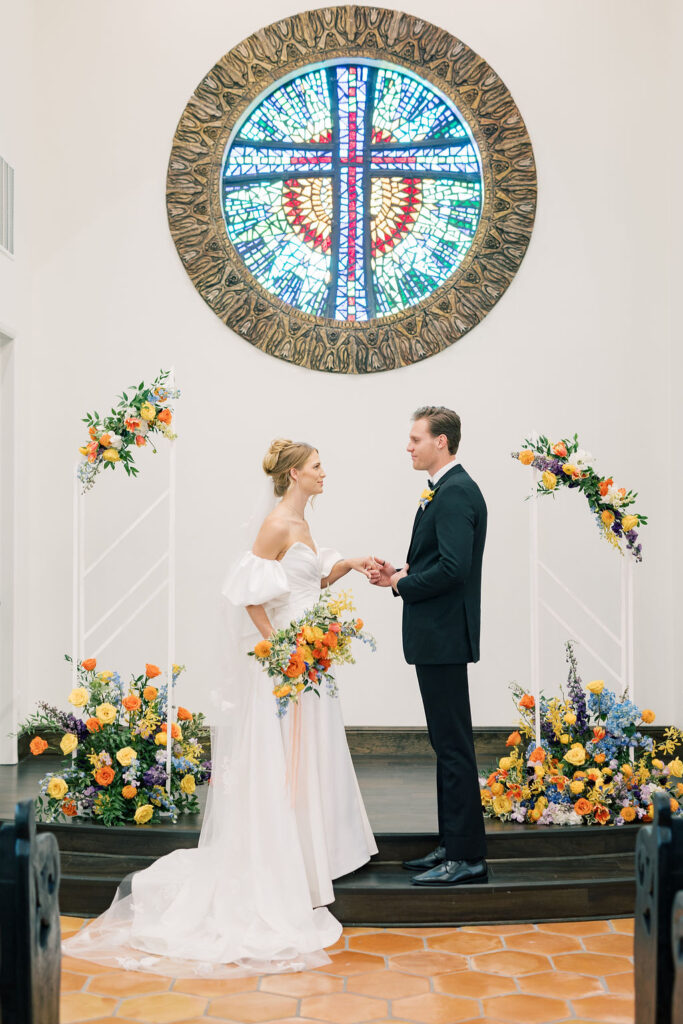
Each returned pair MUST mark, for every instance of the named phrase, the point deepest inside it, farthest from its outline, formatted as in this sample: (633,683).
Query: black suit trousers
(446,700)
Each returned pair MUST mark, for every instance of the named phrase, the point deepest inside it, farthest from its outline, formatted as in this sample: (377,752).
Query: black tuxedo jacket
(442,591)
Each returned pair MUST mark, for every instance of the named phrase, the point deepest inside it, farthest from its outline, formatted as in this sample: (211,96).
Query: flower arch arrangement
(565,463)
(131,424)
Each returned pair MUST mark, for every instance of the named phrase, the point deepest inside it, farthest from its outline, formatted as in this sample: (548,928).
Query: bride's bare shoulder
(273,536)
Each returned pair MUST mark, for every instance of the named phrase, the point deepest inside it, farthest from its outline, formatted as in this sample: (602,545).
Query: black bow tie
(430,485)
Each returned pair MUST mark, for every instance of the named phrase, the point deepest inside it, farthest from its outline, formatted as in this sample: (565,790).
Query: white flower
(613,497)
(581,459)
(115,440)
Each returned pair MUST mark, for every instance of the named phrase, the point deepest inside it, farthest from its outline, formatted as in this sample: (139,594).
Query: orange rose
(140,441)
(560,449)
(599,758)
(69,808)
(601,814)
(526,457)
(628,813)
(152,671)
(604,486)
(513,739)
(93,725)
(598,732)
(38,745)
(537,754)
(582,806)
(359,624)
(165,416)
(329,640)
(89,664)
(132,702)
(105,775)
(105,440)
(648,716)
(129,792)
(295,669)
(263,649)
(184,715)
(673,804)
(150,693)
(527,701)
(176,732)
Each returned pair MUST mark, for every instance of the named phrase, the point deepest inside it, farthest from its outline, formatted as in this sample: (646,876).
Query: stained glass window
(352,191)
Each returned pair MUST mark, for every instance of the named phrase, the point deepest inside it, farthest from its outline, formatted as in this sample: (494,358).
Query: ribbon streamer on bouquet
(294,751)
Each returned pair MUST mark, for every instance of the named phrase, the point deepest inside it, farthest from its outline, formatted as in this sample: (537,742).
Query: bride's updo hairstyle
(282,456)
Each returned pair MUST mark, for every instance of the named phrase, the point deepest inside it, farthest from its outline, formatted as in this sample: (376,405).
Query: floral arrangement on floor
(114,744)
(130,425)
(300,656)
(566,464)
(593,766)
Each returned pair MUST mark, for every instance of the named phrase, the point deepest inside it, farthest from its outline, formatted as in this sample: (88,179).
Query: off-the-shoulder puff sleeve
(255,580)
(328,559)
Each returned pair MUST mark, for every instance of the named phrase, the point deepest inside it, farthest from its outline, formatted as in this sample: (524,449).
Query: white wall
(580,341)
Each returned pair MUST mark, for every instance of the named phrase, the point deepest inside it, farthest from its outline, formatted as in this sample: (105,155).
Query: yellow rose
(497,788)
(125,756)
(576,786)
(57,788)
(111,455)
(161,739)
(502,805)
(526,793)
(627,770)
(147,411)
(597,686)
(570,718)
(105,676)
(648,716)
(656,763)
(79,697)
(542,802)
(526,457)
(187,784)
(68,743)
(676,768)
(549,480)
(106,713)
(565,737)
(629,523)
(576,755)
(143,814)
(535,814)
(505,763)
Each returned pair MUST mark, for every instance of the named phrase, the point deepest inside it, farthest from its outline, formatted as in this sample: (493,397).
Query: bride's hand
(364,566)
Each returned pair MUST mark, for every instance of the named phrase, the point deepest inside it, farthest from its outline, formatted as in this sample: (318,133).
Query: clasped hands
(380,572)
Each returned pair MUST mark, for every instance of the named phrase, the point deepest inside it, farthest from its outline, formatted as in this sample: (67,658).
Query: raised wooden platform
(536,874)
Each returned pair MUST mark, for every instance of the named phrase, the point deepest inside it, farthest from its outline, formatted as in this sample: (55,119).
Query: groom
(441,591)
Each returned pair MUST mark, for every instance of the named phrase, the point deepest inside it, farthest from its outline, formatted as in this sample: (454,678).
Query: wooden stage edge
(536,873)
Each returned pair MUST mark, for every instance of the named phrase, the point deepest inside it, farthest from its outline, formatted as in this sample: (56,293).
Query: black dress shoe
(454,872)
(429,861)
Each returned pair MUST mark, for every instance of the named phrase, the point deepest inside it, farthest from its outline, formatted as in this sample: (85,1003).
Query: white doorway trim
(8,677)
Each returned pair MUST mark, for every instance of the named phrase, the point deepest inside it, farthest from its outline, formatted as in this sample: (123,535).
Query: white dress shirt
(440,472)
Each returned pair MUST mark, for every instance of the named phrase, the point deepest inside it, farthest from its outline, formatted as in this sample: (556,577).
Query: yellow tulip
(656,763)
(84,450)
(607,517)
(629,523)
(68,743)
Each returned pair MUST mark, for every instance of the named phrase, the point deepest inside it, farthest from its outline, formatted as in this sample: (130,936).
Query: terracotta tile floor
(513,974)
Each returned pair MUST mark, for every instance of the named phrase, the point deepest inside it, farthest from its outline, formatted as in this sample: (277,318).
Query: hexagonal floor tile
(544,942)
(252,1007)
(574,927)
(613,1008)
(466,943)
(623,924)
(428,962)
(128,983)
(385,943)
(615,943)
(343,1008)
(622,984)
(434,1008)
(351,962)
(214,987)
(474,984)
(306,983)
(78,966)
(526,1009)
(77,1006)
(561,984)
(511,963)
(72,982)
(499,929)
(387,984)
(165,1008)
(595,964)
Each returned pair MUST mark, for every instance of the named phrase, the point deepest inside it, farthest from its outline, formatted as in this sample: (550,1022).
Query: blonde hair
(281,457)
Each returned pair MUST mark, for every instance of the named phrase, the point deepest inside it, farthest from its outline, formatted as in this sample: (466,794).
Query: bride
(284,814)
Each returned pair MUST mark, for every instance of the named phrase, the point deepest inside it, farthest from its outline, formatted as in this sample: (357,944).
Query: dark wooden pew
(29,922)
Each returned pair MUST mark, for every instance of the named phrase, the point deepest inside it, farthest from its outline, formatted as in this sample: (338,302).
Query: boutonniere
(425,498)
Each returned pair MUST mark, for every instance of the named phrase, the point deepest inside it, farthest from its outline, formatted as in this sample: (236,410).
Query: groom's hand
(382,573)
(398,575)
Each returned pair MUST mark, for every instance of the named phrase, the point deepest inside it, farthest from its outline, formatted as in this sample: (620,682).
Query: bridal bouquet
(114,745)
(132,424)
(594,766)
(299,657)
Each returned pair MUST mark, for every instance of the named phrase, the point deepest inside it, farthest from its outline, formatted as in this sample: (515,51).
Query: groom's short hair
(441,421)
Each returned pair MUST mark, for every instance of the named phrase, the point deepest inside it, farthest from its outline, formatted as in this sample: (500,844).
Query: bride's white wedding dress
(284,817)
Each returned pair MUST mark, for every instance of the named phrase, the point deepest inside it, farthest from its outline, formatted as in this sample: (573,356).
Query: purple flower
(576,694)
(155,776)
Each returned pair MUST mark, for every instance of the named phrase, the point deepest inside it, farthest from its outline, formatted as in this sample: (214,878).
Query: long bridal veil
(240,902)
